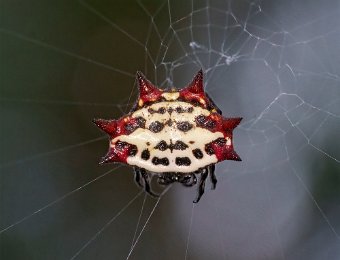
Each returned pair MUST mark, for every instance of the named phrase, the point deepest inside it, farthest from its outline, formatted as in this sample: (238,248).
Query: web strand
(66,52)
(189,232)
(41,155)
(56,201)
(95,236)
(147,221)
(316,204)
(275,65)
(58,102)
(138,222)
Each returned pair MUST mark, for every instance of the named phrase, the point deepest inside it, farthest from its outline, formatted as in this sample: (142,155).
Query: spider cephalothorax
(173,134)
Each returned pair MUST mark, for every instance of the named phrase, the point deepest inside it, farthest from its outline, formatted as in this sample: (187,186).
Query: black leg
(161,181)
(147,188)
(211,170)
(164,181)
(189,180)
(137,176)
(204,175)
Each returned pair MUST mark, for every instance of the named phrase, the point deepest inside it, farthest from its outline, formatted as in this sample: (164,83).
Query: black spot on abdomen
(141,121)
(162,146)
(209,150)
(197,153)
(133,150)
(182,161)
(161,110)
(156,127)
(200,120)
(220,141)
(129,128)
(164,161)
(170,110)
(134,123)
(179,145)
(209,147)
(180,110)
(145,155)
(184,126)
(123,146)
(205,122)
(169,122)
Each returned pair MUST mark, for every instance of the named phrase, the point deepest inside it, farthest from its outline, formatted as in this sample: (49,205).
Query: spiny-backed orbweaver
(173,134)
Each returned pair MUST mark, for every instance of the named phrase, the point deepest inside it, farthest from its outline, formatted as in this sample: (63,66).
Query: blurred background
(274,63)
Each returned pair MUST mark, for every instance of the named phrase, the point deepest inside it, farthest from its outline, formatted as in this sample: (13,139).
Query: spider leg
(147,188)
(204,175)
(138,180)
(191,181)
(185,179)
(211,170)
(163,179)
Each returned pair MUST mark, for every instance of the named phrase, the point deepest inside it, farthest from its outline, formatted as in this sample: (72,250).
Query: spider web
(275,63)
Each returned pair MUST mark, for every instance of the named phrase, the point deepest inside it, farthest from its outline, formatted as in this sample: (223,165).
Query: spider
(174,135)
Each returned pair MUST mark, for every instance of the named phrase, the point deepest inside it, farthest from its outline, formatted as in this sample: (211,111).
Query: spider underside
(143,179)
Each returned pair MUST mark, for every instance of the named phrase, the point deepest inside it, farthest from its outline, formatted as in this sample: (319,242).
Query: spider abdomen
(167,141)
(175,134)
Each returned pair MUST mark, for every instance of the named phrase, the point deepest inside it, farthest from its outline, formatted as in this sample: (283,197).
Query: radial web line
(95,236)
(323,152)
(171,28)
(139,219)
(151,17)
(315,202)
(129,99)
(111,23)
(169,12)
(209,34)
(57,200)
(270,202)
(189,232)
(192,35)
(220,233)
(147,221)
(57,102)
(107,20)
(40,155)
(309,139)
(66,52)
